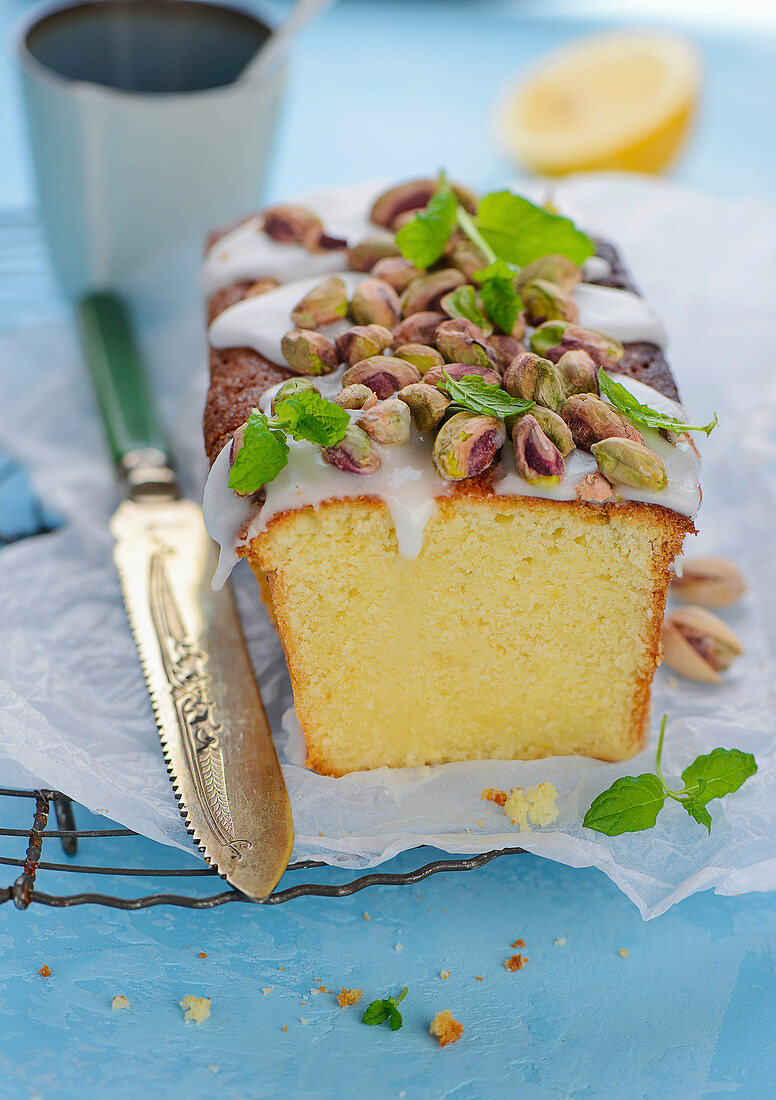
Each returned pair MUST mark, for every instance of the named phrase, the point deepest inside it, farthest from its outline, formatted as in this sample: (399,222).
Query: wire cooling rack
(23,893)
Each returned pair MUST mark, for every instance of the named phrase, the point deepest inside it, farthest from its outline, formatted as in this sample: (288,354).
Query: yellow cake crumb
(445,1028)
(45,971)
(349,997)
(518,943)
(267,989)
(624,952)
(398,947)
(444,974)
(561,941)
(478,978)
(366,915)
(196,1008)
(119,1002)
(284,1027)
(492,794)
(203,954)
(515,962)
(213,1069)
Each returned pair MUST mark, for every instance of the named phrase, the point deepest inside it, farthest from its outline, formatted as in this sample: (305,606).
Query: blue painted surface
(688,1013)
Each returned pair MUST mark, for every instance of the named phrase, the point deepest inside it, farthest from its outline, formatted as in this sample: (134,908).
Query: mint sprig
(423,239)
(474,394)
(385,1009)
(633,802)
(463,303)
(499,295)
(623,400)
(264,451)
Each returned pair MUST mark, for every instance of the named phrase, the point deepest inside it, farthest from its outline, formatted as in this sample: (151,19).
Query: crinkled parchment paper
(74,711)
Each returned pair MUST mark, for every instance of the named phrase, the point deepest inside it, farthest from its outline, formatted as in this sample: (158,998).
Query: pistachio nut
(534,379)
(710,582)
(506,348)
(387,421)
(290,388)
(578,372)
(425,293)
(292,225)
(396,271)
(466,445)
(698,644)
(592,419)
(594,489)
(426,403)
(625,462)
(355,453)
(464,254)
(323,305)
(461,341)
(383,374)
(411,196)
(457,371)
(419,328)
(555,428)
(421,356)
(537,458)
(556,269)
(545,301)
(362,341)
(375,303)
(356,396)
(309,352)
(364,255)
(553,338)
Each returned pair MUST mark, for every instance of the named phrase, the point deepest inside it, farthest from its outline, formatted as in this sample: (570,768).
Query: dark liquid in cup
(148,45)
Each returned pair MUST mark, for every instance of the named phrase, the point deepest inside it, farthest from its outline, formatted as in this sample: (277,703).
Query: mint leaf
(262,456)
(630,804)
(463,303)
(519,231)
(385,1009)
(642,414)
(423,240)
(499,297)
(696,809)
(376,1013)
(476,395)
(720,772)
(309,416)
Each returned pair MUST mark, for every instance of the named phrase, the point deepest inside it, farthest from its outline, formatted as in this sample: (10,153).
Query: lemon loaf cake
(444,435)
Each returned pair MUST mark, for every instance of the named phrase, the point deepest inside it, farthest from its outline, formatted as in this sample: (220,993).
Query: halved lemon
(611,101)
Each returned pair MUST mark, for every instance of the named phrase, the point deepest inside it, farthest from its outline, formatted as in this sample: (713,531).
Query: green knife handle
(134,434)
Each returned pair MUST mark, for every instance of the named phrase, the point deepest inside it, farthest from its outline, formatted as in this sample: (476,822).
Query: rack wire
(23,893)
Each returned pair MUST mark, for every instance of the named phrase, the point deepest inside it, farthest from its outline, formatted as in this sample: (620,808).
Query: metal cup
(146,129)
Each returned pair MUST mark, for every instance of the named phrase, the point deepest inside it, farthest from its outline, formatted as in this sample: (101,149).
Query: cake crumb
(284,1027)
(302,1020)
(349,997)
(119,1002)
(322,989)
(398,947)
(213,1069)
(195,1008)
(267,989)
(366,915)
(478,978)
(444,974)
(314,991)
(624,952)
(281,968)
(45,971)
(561,941)
(518,943)
(492,794)
(515,962)
(203,954)
(445,1028)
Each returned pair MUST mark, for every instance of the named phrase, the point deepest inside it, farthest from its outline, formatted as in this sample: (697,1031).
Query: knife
(215,736)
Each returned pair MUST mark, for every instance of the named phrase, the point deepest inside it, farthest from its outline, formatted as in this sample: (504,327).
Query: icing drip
(594,268)
(262,322)
(618,313)
(409,485)
(248,253)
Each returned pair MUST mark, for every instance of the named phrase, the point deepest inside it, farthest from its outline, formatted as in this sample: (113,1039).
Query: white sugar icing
(248,253)
(261,322)
(595,268)
(618,313)
(408,484)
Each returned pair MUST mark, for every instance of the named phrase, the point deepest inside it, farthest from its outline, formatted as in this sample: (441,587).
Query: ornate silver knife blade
(214,732)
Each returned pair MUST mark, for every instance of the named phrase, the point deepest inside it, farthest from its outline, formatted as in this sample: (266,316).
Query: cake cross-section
(453,454)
